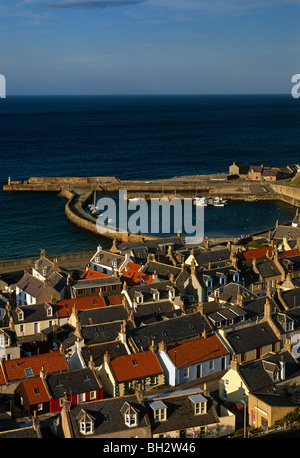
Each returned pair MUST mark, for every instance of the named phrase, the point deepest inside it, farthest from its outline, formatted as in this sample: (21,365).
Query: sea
(136,137)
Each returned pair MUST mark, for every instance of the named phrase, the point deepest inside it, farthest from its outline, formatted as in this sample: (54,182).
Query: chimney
(122,333)
(234,364)
(43,373)
(162,346)
(106,357)
(282,369)
(267,310)
(91,364)
(153,347)
(240,300)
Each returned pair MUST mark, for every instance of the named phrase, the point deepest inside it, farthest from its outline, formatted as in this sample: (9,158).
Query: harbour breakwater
(79,190)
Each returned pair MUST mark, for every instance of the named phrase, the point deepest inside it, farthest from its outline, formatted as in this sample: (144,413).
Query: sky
(57,47)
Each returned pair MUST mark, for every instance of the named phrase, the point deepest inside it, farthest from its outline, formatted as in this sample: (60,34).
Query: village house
(278,373)
(13,371)
(264,409)
(32,290)
(120,375)
(202,284)
(170,331)
(29,321)
(153,292)
(187,414)
(253,341)
(238,168)
(195,359)
(89,287)
(108,262)
(45,394)
(132,275)
(271,174)
(113,418)
(255,172)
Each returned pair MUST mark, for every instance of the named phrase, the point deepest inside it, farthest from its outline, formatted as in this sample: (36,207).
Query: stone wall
(288,194)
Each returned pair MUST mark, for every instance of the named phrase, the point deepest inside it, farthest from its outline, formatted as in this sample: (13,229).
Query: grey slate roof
(255,373)
(72,382)
(147,290)
(103,315)
(291,297)
(97,352)
(169,331)
(230,292)
(213,256)
(31,285)
(95,334)
(180,414)
(251,337)
(108,416)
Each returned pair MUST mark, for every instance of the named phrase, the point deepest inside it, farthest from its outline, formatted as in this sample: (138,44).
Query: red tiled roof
(137,365)
(64,307)
(257,253)
(116,299)
(132,276)
(15,369)
(93,274)
(35,390)
(261,252)
(197,350)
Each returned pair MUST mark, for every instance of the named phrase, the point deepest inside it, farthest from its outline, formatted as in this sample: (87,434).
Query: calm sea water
(132,137)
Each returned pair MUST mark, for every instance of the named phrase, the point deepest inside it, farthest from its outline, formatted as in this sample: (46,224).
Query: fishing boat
(250,199)
(200,201)
(218,202)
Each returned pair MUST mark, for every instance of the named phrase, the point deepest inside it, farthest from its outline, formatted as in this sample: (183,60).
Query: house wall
(232,387)
(29,329)
(119,389)
(204,371)
(107,379)
(54,405)
(262,415)
(168,367)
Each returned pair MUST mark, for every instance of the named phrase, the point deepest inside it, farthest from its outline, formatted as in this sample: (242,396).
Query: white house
(196,358)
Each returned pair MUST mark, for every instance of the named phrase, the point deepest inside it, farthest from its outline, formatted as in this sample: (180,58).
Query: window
(211,365)
(200,408)
(160,415)
(36,391)
(93,394)
(159,410)
(81,397)
(131,419)
(22,328)
(87,427)
(40,406)
(28,372)
(186,372)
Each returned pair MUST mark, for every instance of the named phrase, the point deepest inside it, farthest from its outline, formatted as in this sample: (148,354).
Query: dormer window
(86,423)
(171,293)
(20,315)
(159,411)
(130,415)
(139,298)
(199,404)
(209,282)
(155,295)
(49,310)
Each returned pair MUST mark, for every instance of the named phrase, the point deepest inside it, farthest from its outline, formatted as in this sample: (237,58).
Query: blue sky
(149,46)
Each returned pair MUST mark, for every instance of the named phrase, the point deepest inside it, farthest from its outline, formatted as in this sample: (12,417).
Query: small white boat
(134,199)
(200,201)
(218,202)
